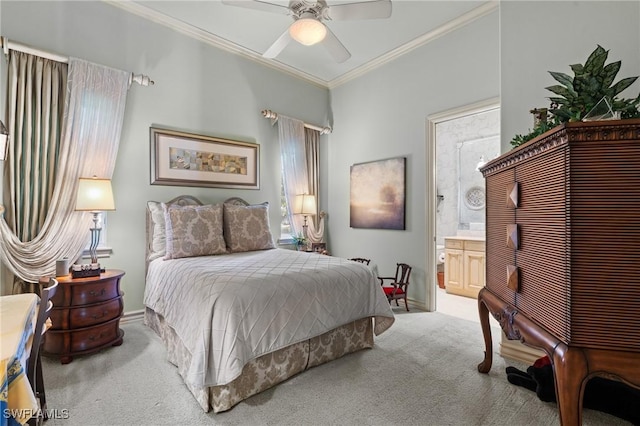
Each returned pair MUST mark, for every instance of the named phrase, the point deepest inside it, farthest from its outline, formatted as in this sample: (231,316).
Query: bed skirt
(268,370)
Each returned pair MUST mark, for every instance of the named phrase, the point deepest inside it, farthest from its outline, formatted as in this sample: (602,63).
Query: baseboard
(132,316)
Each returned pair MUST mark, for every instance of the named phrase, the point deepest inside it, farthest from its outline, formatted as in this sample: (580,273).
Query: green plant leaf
(610,72)
(596,60)
(559,101)
(623,84)
(577,69)
(562,91)
(563,79)
(562,114)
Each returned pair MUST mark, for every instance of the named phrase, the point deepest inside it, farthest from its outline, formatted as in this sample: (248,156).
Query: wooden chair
(361,260)
(34,364)
(398,286)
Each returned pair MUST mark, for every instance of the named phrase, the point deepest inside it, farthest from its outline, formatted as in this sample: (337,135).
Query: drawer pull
(95,316)
(93,338)
(96,293)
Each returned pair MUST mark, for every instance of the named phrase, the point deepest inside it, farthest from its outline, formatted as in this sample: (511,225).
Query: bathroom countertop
(465,237)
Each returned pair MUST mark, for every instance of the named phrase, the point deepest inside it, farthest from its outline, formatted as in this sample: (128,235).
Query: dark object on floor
(608,396)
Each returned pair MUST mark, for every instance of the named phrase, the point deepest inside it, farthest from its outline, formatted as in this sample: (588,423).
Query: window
(285,226)
(103,249)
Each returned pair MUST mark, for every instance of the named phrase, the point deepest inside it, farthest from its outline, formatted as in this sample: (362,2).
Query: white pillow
(158,240)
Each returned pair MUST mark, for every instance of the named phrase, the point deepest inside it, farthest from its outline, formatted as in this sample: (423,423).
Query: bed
(238,315)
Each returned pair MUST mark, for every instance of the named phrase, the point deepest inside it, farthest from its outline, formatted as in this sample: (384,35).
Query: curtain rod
(267,113)
(141,79)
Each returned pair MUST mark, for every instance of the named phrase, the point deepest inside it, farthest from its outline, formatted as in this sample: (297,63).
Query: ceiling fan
(308,27)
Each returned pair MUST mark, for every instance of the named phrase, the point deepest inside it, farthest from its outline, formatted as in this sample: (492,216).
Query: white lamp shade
(308,31)
(304,204)
(94,195)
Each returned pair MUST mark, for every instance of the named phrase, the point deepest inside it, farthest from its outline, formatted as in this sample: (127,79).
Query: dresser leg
(483,312)
(66,359)
(570,372)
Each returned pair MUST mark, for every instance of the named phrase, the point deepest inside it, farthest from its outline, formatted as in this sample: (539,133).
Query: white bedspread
(230,309)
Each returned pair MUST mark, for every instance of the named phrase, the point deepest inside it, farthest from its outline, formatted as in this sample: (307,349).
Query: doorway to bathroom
(460,142)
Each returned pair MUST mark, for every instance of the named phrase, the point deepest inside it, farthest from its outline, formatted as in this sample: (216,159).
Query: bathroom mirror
(472,154)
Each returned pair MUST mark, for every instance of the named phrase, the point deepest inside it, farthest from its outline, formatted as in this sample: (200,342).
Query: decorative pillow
(246,228)
(158,240)
(193,231)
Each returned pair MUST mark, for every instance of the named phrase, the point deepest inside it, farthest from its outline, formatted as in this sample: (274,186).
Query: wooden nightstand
(86,315)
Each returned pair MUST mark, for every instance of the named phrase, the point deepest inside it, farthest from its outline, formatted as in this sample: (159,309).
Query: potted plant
(299,241)
(591,85)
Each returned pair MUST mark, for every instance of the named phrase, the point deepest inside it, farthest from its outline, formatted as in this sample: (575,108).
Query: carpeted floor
(422,371)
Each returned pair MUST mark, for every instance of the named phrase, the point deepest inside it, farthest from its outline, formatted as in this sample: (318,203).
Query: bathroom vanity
(464,265)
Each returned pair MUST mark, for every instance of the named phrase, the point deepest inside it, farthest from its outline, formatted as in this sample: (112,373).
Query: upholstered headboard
(182,200)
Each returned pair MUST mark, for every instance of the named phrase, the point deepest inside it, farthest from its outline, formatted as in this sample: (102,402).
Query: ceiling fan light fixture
(308,31)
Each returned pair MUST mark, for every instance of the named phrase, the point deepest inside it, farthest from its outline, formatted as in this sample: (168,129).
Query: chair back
(43,313)
(361,260)
(403,271)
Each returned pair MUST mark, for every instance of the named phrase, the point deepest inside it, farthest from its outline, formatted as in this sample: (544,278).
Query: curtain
(35,105)
(312,151)
(296,170)
(92,122)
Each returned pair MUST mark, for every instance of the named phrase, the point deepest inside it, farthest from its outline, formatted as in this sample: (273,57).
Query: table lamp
(94,195)
(305,204)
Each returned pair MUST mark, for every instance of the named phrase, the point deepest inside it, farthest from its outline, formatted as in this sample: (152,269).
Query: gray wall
(383,114)
(198,88)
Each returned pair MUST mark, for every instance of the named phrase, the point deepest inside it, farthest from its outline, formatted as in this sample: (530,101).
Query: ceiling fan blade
(335,47)
(278,45)
(259,5)
(376,9)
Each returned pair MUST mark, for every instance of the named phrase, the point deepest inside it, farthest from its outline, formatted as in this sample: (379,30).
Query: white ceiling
(371,42)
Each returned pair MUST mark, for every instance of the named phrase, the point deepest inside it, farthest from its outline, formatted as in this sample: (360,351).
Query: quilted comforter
(231,309)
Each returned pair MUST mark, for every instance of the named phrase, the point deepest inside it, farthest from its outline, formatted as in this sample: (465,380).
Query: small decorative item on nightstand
(85,270)
(319,248)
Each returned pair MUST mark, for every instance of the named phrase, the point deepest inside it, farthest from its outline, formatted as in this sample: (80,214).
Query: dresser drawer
(453,244)
(93,337)
(95,314)
(474,245)
(86,294)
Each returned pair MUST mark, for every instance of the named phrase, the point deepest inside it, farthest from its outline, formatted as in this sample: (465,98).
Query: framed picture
(318,247)
(186,159)
(378,194)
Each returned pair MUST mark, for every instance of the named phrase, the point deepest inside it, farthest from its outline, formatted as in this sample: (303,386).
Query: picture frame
(318,247)
(377,194)
(188,159)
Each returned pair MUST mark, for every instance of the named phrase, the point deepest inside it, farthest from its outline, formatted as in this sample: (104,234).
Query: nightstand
(86,315)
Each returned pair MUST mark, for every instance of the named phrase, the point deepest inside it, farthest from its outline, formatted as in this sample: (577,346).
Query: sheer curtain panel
(90,135)
(297,160)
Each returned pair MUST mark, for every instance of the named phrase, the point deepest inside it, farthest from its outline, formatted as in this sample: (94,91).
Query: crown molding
(390,56)
(212,39)
(228,46)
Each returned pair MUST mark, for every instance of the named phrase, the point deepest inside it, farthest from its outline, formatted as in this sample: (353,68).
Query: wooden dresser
(563,253)
(86,315)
